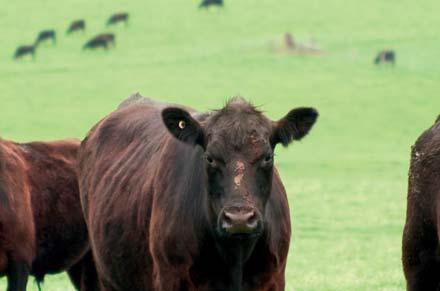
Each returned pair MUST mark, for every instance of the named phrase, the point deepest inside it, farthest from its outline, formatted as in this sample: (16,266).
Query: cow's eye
(210,160)
(268,159)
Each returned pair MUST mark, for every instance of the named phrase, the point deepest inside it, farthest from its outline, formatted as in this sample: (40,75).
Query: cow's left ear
(294,126)
(182,126)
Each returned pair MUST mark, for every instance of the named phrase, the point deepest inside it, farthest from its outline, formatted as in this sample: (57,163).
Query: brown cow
(174,203)
(421,245)
(42,228)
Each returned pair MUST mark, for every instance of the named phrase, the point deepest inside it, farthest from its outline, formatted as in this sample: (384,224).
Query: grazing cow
(174,202)
(76,25)
(421,243)
(45,35)
(101,40)
(118,17)
(109,37)
(23,50)
(385,57)
(42,228)
(208,3)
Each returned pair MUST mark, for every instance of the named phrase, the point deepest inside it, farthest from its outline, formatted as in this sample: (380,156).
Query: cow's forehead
(247,144)
(238,127)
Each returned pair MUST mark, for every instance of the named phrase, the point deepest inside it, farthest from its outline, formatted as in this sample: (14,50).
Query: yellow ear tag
(182,124)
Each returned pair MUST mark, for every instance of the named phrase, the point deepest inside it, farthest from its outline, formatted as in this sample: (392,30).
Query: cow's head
(238,143)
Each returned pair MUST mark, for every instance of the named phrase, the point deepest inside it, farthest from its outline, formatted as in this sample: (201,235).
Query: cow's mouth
(243,236)
(237,235)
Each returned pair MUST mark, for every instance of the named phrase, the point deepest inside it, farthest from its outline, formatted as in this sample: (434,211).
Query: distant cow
(101,40)
(76,25)
(24,50)
(118,17)
(208,3)
(176,203)
(421,243)
(45,35)
(289,41)
(385,57)
(42,229)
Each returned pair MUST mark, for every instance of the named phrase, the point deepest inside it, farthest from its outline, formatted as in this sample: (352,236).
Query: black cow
(101,40)
(46,35)
(208,3)
(118,17)
(387,56)
(24,50)
(76,25)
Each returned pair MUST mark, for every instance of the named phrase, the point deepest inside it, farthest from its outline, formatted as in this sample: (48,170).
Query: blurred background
(346,181)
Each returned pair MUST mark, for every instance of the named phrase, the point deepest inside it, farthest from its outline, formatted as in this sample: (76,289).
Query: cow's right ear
(182,126)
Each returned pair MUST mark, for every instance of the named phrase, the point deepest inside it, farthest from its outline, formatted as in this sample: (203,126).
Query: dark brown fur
(42,229)
(144,195)
(421,248)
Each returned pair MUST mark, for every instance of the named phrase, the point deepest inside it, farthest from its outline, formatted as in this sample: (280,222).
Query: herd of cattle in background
(103,40)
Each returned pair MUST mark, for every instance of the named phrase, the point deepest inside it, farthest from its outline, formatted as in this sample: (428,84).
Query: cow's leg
(83,274)
(420,258)
(75,274)
(18,273)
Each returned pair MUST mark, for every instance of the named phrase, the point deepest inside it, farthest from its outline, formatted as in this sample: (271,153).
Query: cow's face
(239,143)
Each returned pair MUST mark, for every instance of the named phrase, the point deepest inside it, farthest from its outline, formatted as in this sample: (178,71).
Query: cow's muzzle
(240,221)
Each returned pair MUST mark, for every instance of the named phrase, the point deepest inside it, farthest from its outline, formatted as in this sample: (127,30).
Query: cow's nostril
(249,216)
(227,217)
(239,222)
(238,217)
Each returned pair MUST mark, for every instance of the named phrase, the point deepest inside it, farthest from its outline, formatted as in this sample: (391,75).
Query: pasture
(346,181)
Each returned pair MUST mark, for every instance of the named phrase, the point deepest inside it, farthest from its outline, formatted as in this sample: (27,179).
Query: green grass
(346,181)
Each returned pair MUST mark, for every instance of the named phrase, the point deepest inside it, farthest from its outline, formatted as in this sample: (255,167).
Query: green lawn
(346,181)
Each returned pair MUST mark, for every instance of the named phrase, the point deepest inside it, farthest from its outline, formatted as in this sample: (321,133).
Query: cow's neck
(236,274)
(236,253)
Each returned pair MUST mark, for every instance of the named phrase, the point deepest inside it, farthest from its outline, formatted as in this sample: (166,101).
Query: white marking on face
(239,173)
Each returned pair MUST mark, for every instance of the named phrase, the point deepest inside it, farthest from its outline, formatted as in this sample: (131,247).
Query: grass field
(346,181)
